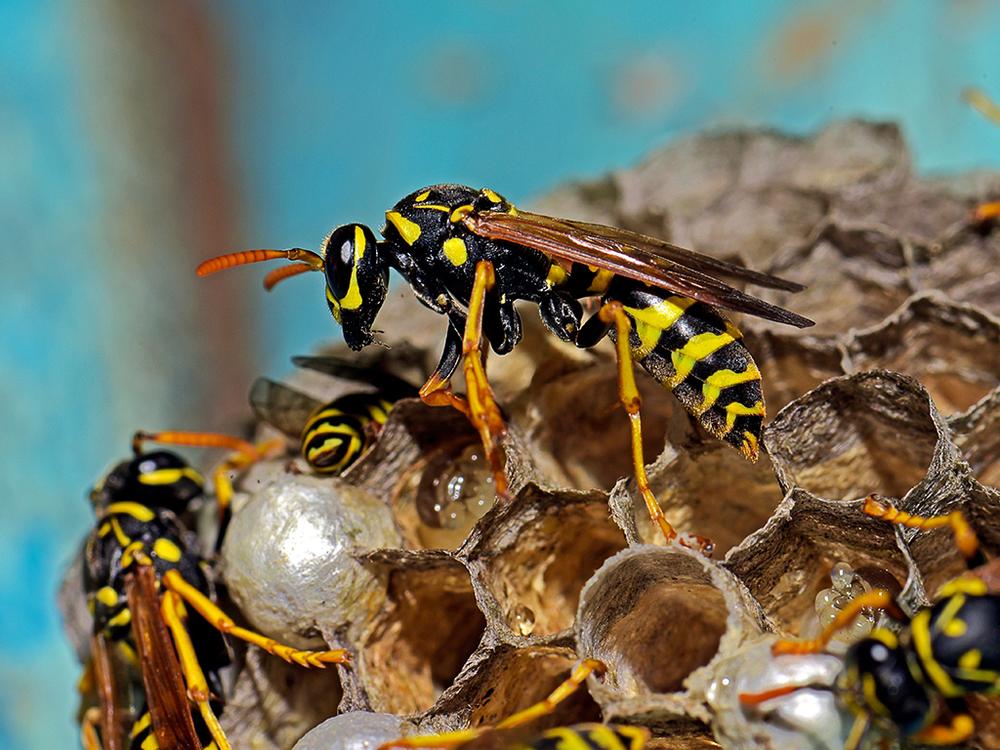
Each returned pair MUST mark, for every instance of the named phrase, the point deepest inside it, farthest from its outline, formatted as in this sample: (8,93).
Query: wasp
(156,626)
(333,435)
(470,255)
(913,683)
(588,736)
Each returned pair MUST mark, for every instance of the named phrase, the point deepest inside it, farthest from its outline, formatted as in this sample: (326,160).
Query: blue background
(136,139)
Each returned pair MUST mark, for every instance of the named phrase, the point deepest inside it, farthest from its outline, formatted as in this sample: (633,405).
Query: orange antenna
(245,257)
(194,439)
(755,699)
(285,272)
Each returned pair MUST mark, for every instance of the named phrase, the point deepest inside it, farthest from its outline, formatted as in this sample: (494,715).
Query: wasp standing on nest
(332,436)
(470,255)
(141,577)
(914,684)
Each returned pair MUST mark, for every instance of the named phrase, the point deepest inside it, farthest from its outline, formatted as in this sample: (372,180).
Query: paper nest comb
(896,390)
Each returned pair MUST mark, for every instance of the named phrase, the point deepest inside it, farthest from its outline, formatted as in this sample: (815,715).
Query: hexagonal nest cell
(482,607)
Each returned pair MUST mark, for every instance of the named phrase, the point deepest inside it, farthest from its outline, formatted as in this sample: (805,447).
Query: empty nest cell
(423,636)
(952,349)
(873,432)
(536,563)
(515,678)
(653,615)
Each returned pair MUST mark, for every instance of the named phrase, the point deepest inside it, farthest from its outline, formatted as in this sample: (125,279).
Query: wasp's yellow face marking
(408,230)
(460,213)
(921,633)
(334,305)
(455,250)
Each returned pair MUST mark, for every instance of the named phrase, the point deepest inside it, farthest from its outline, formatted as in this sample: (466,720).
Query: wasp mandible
(914,684)
(470,255)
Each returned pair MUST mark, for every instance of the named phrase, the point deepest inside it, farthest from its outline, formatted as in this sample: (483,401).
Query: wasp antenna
(285,272)
(195,439)
(245,257)
(755,699)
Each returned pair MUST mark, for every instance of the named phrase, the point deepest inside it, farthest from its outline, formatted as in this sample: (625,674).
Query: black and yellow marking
(690,348)
(945,652)
(589,737)
(338,433)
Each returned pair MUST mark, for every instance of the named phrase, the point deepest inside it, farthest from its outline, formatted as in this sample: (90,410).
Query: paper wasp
(332,436)
(470,255)
(157,640)
(913,684)
(511,735)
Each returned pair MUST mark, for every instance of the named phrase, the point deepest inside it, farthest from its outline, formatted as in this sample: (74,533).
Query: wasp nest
(458,612)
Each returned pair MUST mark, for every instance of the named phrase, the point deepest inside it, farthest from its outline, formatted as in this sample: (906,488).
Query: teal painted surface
(334,113)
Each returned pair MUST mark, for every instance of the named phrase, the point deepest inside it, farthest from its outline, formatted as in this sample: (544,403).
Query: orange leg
(613,314)
(483,409)
(965,537)
(480,406)
(961,728)
(174,616)
(220,620)
(88,730)
(546,706)
(874,599)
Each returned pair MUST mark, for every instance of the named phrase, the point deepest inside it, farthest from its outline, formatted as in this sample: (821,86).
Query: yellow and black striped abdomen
(699,354)
(590,737)
(337,434)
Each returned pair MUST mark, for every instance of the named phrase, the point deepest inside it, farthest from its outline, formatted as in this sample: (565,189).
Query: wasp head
(357,279)
(158,479)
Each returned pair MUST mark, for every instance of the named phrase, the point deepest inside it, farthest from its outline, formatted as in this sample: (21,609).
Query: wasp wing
(282,407)
(166,695)
(638,257)
(373,375)
(113,715)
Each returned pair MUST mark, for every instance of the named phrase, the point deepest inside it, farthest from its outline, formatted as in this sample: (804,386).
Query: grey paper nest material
(470,613)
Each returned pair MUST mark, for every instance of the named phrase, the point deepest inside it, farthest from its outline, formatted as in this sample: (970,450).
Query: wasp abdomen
(337,434)
(691,348)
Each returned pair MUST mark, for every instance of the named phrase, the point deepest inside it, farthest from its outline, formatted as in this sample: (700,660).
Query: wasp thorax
(357,279)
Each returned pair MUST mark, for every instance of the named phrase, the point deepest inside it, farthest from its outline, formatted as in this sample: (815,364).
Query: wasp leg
(437,390)
(197,686)
(874,599)
(961,728)
(965,537)
(479,406)
(483,410)
(88,730)
(224,623)
(612,314)
(546,706)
